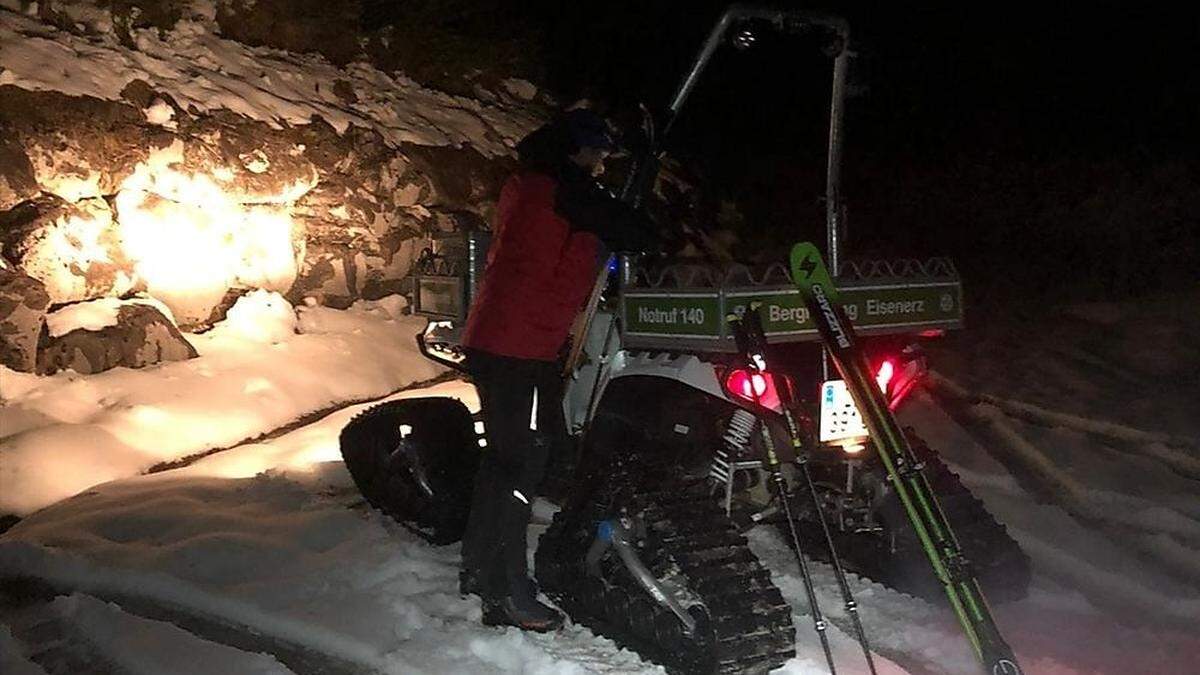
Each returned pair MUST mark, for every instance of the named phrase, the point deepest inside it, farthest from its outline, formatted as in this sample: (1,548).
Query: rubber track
(747,625)
(442,428)
(1002,568)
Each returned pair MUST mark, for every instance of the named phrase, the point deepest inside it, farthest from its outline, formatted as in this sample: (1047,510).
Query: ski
(949,564)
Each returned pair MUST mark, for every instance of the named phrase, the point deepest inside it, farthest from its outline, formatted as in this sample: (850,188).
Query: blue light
(604,531)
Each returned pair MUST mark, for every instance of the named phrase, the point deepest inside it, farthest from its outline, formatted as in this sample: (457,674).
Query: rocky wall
(151,188)
(85,178)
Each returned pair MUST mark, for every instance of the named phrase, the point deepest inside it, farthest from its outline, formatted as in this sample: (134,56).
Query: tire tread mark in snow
(1118,436)
(984,430)
(22,593)
(51,641)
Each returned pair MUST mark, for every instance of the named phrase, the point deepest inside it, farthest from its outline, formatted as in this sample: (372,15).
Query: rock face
(16,173)
(195,169)
(225,203)
(23,303)
(72,249)
(141,336)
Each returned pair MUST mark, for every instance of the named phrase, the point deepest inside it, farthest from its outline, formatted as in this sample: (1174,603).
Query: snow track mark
(1185,464)
(1169,548)
(109,633)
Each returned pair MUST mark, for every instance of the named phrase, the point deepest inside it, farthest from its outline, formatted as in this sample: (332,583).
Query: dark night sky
(1047,132)
(1110,72)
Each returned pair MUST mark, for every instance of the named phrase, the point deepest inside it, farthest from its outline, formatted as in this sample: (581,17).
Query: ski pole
(752,323)
(838,572)
(781,491)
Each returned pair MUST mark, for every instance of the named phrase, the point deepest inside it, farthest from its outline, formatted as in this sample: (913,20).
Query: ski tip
(808,268)
(802,249)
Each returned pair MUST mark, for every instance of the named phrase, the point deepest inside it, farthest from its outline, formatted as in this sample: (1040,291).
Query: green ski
(912,488)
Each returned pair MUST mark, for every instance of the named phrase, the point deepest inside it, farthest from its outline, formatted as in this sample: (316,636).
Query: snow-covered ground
(266,365)
(263,558)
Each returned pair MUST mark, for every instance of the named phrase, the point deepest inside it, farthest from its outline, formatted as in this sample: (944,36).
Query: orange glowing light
(191,238)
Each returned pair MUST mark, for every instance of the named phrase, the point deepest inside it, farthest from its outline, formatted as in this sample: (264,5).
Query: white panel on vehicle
(840,419)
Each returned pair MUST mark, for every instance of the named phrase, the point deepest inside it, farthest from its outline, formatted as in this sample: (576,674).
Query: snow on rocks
(90,316)
(91,337)
(96,315)
(161,114)
(204,72)
(64,433)
(390,307)
(522,89)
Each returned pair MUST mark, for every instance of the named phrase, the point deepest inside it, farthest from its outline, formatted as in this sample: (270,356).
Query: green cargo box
(683,307)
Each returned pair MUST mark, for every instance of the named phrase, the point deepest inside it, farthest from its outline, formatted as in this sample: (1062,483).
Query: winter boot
(522,611)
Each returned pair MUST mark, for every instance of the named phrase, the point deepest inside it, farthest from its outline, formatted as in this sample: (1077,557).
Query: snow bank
(65,433)
(306,448)
(203,71)
(259,316)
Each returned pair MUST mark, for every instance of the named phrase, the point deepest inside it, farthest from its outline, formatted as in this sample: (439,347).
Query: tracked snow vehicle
(678,439)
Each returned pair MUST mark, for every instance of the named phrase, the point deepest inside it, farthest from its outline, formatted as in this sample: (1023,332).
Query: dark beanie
(587,129)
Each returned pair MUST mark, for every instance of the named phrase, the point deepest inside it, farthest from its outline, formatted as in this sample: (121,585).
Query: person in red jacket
(553,229)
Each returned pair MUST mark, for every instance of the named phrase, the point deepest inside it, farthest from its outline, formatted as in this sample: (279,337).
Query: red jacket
(539,273)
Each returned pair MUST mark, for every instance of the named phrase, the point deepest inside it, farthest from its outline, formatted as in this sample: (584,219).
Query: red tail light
(884,375)
(753,387)
(897,378)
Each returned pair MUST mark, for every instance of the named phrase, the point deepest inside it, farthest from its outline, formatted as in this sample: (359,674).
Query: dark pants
(519,437)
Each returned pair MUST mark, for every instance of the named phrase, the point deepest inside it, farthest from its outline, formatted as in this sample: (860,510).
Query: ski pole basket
(683,307)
